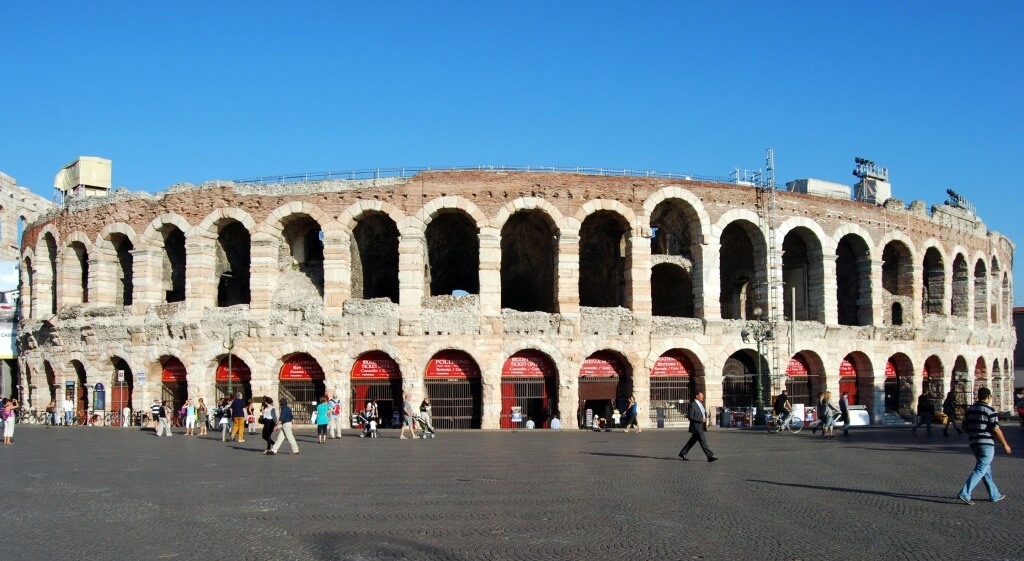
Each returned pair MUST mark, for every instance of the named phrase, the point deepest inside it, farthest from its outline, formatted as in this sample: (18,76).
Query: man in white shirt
(69,411)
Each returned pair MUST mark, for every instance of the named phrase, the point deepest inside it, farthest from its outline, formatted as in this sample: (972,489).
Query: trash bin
(660,412)
(724,417)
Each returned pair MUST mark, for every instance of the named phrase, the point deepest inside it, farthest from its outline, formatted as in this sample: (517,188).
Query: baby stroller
(424,425)
(364,420)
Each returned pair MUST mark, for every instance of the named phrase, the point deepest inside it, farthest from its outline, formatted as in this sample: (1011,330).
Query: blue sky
(193,91)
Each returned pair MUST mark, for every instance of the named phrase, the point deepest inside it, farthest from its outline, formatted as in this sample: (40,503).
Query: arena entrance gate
(241,379)
(302,384)
(673,383)
(605,385)
(121,389)
(175,384)
(453,384)
(377,377)
(798,381)
(529,383)
(848,381)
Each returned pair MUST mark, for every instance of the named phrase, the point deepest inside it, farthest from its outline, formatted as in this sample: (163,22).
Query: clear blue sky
(194,91)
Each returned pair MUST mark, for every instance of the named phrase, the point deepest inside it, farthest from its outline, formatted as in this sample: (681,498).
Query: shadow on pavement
(911,496)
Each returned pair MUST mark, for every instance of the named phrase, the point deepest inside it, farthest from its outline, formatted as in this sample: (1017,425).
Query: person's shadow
(911,496)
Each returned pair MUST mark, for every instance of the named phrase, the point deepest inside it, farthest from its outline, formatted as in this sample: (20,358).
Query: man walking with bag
(982,425)
(698,416)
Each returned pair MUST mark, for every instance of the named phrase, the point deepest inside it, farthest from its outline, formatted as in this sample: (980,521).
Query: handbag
(262,420)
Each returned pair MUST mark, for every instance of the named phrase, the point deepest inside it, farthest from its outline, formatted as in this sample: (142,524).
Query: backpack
(336,410)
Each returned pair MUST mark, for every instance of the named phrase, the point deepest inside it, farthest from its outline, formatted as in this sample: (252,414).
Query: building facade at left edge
(18,207)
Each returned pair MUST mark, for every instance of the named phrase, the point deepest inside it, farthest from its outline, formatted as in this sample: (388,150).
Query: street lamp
(229,345)
(761,330)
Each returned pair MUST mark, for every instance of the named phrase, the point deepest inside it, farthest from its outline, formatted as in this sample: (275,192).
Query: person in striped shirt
(982,426)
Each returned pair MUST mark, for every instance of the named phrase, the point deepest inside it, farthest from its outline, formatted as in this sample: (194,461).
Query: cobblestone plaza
(103,493)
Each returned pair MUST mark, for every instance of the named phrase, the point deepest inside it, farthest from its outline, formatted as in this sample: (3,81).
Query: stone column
(707,281)
(875,293)
(638,274)
(490,272)
(147,277)
(337,269)
(829,284)
(200,271)
(411,285)
(264,272)
(568,272)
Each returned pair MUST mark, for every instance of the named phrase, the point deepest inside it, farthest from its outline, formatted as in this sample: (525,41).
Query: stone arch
(74,282)
(213,221)
(961,286)
(900,385)
(532,204)
(853,280)
(803,271)
(529,260)
(691,201)
(980,291)
(373,239)
(625,213)
(449,203)
(278,219)
(452,251)
(230,231)
(743,274)
(933,279)
(860,383)
(604,249)
(699,353)
(152,235)
(115,259)
(805,376)
(45,278)
(298,231)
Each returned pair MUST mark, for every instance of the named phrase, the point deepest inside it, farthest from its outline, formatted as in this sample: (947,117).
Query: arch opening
(603,249)
(374,255)
(232,265)
(453,255)
(453,383)
(853,281)
(802,276)
(529,257)
(529,390)
(743,271)
(606,382)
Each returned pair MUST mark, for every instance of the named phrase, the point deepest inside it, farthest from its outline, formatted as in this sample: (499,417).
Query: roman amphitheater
(510,294)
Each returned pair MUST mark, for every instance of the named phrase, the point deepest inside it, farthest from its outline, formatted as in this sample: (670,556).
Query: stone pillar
(147,277)
(490,272)
(200,271)
(829,285)
(264,271)
(568,273)
(103,275)
(638,275)
(707,281)
(411,285)
(917,313)
(337,269)
(875,292)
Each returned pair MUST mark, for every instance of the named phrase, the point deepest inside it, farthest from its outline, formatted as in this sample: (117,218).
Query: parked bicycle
(775,423)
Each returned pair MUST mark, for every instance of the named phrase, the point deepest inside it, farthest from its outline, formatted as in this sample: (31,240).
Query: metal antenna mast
(768,216)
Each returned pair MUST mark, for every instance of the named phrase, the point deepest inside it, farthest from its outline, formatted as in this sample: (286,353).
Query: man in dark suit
(698,416)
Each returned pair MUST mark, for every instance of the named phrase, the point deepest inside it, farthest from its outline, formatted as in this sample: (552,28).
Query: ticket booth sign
(376,365)
(671,364)
(601,365)
(174,371)
(527,364)
(301,367)
(239,370)
(452,364)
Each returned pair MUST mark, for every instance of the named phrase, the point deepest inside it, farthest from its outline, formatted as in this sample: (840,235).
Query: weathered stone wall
(288,314)
(16,203)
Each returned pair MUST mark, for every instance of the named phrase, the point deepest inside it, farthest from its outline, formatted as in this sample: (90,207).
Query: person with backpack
(334,417)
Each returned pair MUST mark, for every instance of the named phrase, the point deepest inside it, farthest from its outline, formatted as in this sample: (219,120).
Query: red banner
(847,369)
(528,364)
(797,367)
(376,364)
(602,364)
(239,370)
(301,367)
(174,371)
(452,364)
(672,363)
(890,369)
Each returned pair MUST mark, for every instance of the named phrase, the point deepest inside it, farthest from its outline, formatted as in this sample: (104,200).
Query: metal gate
(236,386)
(302,398)
(672,395)
(738,391)
(455,403)
(175,393)
(382,390)
(799,390)
(531,394)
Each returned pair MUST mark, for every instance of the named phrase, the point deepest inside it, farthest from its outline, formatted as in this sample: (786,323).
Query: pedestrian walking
(237,412)
(154,413)
(51,413)
(820,414)
(202,417)
(982,425)
(1019,404)
(844,412)
(829,410)
(164,420)
(949,406)
(631,415)
(10,410)
(190,418)
(268,418)
(698,416)
(322,418)
(407,414)
(424,419)
(925,411)
(334,417)
(224,418)
(250,417)
(284,429)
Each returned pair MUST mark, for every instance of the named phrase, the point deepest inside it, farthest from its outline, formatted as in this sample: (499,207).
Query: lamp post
(229,345)
(761,330)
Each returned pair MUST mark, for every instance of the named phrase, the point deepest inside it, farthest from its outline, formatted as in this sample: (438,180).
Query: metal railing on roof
(399,172)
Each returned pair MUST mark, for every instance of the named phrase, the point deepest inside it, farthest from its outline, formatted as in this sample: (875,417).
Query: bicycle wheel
(771,423)
(796,425)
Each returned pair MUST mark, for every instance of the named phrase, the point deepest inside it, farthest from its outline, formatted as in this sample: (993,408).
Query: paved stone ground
(103,493)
